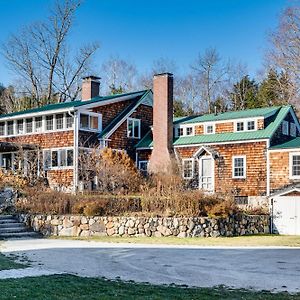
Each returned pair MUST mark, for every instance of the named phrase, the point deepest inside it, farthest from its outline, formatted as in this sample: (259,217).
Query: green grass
(61,287)
(7,263)
(247,241)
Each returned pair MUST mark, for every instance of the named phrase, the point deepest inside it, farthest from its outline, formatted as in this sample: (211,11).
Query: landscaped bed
(72,287)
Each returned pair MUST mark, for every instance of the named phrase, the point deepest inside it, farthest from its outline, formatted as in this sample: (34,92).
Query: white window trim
(193,162)
(139,131)
(143,161)
(245,122)
(91,114)
(184,129)
(58,167)
(291,154)
(209,124)
(245,166)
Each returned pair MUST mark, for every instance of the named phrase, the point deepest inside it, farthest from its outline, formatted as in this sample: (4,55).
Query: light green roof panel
(248,113)
(294,143)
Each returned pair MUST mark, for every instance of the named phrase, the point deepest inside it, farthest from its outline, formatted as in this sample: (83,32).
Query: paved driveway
(259,268)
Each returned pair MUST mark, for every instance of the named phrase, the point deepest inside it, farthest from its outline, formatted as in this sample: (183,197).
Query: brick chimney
(90,87)
(160,160)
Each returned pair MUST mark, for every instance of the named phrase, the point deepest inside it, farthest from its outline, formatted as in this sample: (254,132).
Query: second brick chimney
(90,87)
(160,160)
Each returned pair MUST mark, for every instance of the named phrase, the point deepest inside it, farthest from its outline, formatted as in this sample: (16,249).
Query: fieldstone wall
(66,225)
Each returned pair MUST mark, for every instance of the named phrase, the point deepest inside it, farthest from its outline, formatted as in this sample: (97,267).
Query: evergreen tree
(244,94)
(180,111)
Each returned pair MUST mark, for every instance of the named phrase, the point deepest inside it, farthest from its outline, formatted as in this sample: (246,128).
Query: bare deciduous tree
(40,56)
(119,75)
(285,53)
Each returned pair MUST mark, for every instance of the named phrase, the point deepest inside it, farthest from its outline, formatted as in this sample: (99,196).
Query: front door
(206,180)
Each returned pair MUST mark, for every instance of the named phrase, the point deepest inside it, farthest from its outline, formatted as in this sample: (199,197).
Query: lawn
(72,287)
(239,241)
(7,263)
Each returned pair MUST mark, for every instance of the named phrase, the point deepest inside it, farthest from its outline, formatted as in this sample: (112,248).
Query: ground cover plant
(62,287)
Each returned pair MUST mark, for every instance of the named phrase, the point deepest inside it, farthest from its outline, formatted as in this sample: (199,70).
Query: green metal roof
(248,113)
(267,133)
(123,114)
(71,104)
(294,143)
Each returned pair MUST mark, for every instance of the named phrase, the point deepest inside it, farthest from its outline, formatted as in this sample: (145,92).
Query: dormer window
(209,129)
(285,127)
(250,125)
(189,130)
(179,131)
(10,127)
(240,126)
(29,125)
(2,128)
(293,130)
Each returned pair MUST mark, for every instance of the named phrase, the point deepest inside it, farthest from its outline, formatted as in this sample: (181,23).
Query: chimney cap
(163,74)
(91,77)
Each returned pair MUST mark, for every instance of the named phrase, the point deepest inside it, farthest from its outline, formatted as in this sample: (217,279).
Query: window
(69,121)
(239,167)
(187,165)
(240,126)
(133,128)
(285,127)
(49,122)
(10,127)
(2,128)
(295,165)
(143,166)
(189,130)
(20,127)
(28,125)
(59,121)
(241,200)
(293,129)
(89,121)
(209,129)
(58,158)
(250,125)
(179,131)
(38,124)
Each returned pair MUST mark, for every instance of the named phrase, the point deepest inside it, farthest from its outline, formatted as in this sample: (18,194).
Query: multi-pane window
(38,124)
(59,121)
(49,122)
(189,130)
(28,123)
(84,121)
(295,165)
(143,166)
(89,122)
(179,131)
(209,129)
(250,125)
(133,128)
(69,121)
(187,166)
(2,128)
(239,126)
(285,127)
(58,158)
(239,167)
(10,127)
(241,200)
(293,129)
(20,126)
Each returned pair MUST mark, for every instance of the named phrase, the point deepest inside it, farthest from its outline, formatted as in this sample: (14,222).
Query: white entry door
(286,215)
(206,180)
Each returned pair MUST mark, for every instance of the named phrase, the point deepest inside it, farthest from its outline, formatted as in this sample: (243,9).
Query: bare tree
(210,71)
(39,55)
(119,75)
(285,53)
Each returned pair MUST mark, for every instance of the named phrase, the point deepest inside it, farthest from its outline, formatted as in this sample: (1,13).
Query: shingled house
(251,154)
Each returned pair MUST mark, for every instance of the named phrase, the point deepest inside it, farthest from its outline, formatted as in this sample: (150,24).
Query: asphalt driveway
(273,269)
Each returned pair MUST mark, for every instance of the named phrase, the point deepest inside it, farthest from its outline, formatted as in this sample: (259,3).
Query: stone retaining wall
(66,225)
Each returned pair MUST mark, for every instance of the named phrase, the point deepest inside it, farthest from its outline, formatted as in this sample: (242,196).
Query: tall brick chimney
(160,160)
(90,87)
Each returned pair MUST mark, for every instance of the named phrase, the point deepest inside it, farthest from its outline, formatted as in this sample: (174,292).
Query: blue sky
(141,31)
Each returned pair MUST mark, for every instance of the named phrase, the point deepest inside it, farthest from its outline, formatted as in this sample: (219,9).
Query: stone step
(11,224)
(20,235)
(14,230)
(7,217)
(8,221)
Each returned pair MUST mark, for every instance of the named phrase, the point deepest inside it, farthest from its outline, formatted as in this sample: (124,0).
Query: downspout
(75,158)
(268,168)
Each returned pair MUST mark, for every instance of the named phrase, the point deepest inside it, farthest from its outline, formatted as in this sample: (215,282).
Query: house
(251,155)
